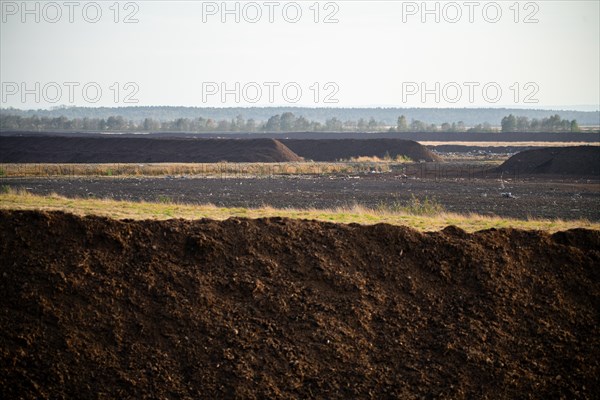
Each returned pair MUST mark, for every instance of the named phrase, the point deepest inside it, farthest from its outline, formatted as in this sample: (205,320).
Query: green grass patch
(414,206)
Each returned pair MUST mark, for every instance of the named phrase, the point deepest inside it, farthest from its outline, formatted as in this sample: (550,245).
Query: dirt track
(294,309)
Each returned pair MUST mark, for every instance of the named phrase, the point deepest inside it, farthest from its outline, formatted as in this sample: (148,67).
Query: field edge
(432,220)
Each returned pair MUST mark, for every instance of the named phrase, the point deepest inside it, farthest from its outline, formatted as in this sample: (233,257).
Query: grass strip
(20,200)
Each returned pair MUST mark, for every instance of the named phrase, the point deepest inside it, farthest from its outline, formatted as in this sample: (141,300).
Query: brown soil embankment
(275,308)
(581,161)
(48,149)
(343,149)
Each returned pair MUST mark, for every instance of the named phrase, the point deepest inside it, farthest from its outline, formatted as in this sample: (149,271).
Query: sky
(532,54)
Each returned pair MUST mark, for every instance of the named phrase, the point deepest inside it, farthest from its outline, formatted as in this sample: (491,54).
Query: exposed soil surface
(341,149)
(275,308)
(577,161)
(48,149)
(40,149)
(533,197)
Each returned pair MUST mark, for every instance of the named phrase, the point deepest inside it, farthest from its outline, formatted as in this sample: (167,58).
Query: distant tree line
(284,122)
(420,126)
(389,115)
(510,123)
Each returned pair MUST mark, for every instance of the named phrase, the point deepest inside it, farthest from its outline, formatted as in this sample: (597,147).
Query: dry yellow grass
(374,159)
(12,200)
(223,169)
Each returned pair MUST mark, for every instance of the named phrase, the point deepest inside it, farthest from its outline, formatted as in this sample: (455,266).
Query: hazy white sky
(378,53)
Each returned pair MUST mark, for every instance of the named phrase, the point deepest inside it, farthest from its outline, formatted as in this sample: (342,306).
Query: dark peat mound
(581,161)
(110,149)
(343,149)
(275,308)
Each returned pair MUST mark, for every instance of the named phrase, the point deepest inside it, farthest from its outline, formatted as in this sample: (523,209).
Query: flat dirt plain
(545,197)
(548,182)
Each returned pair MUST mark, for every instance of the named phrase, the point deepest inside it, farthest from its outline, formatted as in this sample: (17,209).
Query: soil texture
(274,308)
(56,149)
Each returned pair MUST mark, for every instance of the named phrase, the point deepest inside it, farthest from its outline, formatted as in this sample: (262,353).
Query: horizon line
(577,108)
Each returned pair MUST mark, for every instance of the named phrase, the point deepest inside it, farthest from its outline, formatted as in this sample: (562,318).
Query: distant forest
(510,123)
(286,122)
(387,117)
